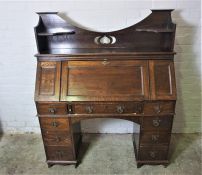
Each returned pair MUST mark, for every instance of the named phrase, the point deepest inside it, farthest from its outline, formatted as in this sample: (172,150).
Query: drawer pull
(105,62)
(156,122)
(54,124)
(152,154)
(52,110)
(154,138)
(58,139)
(120,109)
(89,109)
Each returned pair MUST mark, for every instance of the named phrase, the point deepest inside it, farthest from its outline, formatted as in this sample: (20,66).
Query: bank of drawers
(155,119)
(57,138)
(155,137)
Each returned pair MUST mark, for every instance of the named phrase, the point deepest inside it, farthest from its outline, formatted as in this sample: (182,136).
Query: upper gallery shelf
(56,33)
(155,33)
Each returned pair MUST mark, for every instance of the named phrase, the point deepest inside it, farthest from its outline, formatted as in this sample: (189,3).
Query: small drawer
(109,108)
(54,123)
(56,138)
(59,153)
(52,108)
(159,108)
(154,138)
(150,153)
(157,123)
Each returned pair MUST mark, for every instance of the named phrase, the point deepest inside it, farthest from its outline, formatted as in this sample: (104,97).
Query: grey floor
(102,154)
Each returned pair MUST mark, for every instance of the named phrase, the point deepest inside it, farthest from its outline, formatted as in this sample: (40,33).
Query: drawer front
(154,138)
(108,108)
(158,123)
(158,108)
(54,123)
(52,108)
(59,153)
(57,138)
(149,153)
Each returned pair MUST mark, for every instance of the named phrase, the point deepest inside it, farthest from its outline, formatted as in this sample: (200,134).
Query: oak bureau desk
(126,74)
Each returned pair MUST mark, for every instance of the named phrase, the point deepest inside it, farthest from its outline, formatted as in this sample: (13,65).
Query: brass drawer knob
(152,154)
(52,110)
(120,109)
(54,124)
(89,109)
(156,122)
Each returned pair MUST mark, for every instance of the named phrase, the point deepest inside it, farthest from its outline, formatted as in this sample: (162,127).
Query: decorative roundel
(105,39)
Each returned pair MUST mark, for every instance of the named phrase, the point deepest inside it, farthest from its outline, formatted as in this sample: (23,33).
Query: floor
(104,154)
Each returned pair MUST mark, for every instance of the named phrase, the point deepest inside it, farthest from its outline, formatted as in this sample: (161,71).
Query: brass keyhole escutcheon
(158,108)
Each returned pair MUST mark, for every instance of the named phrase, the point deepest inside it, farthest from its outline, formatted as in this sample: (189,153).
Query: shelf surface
(56,33)
(103,51)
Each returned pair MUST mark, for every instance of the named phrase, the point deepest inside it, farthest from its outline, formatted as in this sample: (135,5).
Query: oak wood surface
(126,74)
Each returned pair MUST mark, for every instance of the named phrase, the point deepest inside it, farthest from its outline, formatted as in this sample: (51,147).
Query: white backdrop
(18,65)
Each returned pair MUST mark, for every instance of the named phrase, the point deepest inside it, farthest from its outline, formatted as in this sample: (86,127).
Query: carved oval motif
(105,39)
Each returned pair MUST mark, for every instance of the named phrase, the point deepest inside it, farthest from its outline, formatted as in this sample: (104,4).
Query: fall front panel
(104,80)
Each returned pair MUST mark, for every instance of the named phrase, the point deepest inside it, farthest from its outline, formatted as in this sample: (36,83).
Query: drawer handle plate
(54,124)
(52,110)
(89,109)
(156,122)
(58,139)
(120,109)
(152,154)
(154,138)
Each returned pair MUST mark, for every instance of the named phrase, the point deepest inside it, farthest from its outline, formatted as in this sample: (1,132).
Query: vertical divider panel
(48,81)
(162,80)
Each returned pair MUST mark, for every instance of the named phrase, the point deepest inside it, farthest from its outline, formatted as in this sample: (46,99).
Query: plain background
(18,65)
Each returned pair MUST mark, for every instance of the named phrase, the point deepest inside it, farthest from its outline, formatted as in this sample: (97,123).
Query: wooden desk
(126,74)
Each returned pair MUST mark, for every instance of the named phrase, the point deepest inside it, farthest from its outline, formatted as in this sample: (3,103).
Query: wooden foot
(166,165)
(139,165)
(50,165)
(77,164)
